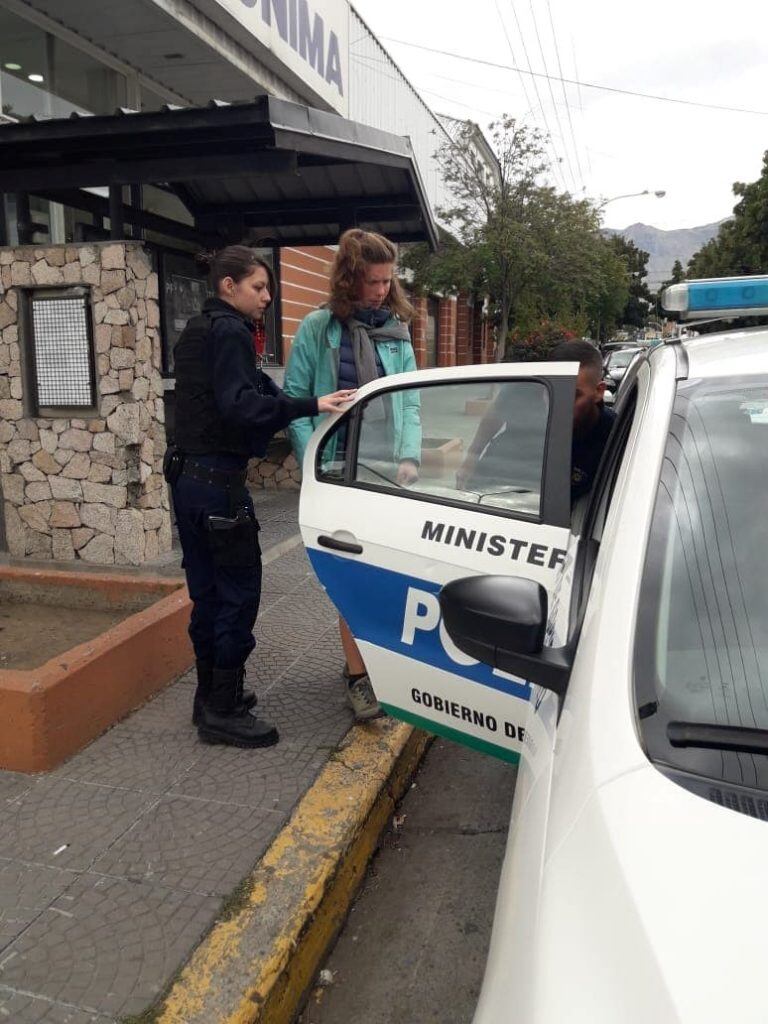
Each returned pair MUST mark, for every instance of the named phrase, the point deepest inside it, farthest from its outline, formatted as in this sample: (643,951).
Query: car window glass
(702,651)
(477,443)
(593,511)
(620,360)
(612,461)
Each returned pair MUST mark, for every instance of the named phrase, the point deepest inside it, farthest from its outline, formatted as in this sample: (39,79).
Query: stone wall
(278,469)
(87,487)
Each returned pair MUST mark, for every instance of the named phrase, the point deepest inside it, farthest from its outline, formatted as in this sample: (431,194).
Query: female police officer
(227,410)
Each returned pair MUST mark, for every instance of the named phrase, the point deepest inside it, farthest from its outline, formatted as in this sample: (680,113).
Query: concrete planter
(50,712)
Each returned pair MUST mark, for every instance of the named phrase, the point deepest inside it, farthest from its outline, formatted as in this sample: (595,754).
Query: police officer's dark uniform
(227,410)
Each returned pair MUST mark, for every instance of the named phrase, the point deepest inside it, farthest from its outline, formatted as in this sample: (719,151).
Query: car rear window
(619,359)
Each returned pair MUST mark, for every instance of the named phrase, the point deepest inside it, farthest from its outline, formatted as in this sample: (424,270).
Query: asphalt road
(414,947)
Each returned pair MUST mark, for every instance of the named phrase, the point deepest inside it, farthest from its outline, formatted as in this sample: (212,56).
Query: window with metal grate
(61,350)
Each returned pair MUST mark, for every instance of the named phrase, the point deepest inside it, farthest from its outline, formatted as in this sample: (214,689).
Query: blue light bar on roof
(718,297)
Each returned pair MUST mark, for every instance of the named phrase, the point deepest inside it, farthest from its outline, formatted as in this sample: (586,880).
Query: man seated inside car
(505,429)
(507,446)
(592,419)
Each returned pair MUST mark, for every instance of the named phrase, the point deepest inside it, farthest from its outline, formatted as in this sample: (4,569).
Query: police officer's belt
(229,478)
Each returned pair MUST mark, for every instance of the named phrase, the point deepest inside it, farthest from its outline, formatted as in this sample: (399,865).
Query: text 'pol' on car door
(433,476)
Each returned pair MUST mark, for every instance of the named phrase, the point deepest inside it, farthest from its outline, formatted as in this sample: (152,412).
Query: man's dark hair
(582,352)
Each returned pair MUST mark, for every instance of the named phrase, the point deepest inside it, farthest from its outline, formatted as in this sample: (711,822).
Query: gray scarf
(364,354)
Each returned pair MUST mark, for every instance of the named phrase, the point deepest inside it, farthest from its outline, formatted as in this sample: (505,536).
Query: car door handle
(339,545)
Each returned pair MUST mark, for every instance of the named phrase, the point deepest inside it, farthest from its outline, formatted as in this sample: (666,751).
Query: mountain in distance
(666,246)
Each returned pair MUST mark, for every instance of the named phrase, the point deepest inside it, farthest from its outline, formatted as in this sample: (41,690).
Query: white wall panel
(380,95)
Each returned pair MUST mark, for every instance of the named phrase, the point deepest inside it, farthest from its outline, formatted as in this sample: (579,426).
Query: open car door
(428,477)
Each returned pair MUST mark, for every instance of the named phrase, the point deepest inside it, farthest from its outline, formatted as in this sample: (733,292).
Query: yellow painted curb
(257,967)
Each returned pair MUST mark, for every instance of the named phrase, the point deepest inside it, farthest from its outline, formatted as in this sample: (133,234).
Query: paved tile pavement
(114,866)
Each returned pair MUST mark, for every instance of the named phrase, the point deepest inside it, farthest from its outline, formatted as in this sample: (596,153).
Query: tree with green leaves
(741,245)
(639,299)
(608,302)
(678,274)
(536,253)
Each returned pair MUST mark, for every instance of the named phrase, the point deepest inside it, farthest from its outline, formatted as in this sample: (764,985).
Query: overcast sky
(613,144)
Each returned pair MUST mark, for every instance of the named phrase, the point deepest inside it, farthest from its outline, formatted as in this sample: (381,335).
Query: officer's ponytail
(237,262)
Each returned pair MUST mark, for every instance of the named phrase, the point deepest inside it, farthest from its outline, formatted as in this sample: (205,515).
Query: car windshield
(702,642)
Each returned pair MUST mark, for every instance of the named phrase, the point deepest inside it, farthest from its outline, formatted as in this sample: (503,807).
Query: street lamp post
(658,193)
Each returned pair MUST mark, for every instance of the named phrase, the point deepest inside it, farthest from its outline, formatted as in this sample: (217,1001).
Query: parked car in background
(614,368)
(611,346)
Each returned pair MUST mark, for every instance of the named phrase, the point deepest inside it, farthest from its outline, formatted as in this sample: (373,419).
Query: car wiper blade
(504,490)
(718,737)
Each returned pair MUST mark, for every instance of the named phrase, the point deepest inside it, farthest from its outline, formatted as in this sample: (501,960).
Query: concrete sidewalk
(114,866)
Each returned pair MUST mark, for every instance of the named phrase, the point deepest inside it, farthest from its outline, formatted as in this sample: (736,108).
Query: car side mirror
(501,621)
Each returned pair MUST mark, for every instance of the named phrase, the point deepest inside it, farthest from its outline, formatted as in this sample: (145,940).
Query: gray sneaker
(363,700)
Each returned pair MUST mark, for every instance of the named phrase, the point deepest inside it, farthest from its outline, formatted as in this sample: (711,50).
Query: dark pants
(223,570)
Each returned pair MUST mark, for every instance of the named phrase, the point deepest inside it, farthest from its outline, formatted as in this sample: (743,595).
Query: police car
(617,651)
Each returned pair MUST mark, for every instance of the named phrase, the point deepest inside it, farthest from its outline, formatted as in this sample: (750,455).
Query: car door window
(477,445)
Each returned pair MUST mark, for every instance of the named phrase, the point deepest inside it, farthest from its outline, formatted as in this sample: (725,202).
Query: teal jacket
(313,368)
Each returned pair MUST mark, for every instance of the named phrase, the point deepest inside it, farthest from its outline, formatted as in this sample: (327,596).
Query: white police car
(621,658)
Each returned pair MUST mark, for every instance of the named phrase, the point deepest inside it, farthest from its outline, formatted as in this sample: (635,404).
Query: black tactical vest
(198,426)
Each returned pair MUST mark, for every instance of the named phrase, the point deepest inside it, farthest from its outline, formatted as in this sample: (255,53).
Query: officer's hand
(336,401)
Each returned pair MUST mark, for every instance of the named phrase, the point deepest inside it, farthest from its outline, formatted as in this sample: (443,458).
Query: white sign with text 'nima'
(310,37)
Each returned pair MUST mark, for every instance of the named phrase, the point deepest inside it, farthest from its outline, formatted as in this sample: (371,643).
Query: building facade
(59,57)
(80,473)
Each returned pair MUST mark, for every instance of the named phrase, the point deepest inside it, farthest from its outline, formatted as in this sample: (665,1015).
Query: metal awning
(274,171)
(166,42)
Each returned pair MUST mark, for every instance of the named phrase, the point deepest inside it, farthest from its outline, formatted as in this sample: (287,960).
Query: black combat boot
(204,677)
(246,698)
(225,720)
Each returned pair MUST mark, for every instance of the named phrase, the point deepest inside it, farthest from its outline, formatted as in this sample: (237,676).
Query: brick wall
(463,329)
(304,275)
(482,345)
(418,330)
(464,337)
(446,332)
